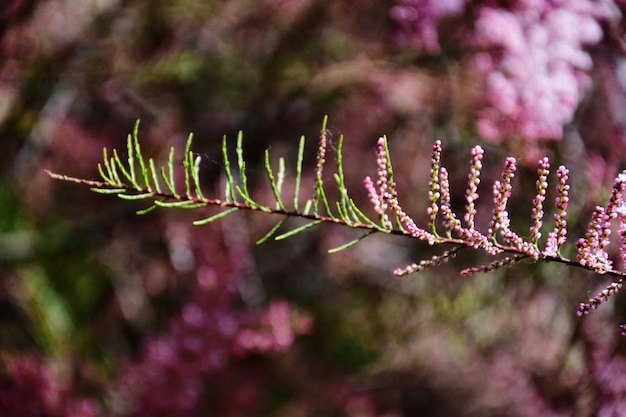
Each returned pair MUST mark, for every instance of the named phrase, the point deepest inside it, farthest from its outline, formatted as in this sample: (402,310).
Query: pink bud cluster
(379,198)
(470,235)
(501,194)
(497,264)
(501,222)
(602,297)
(425,264)
(558,236)
(542,186)
(592,248)
(449,218)
(383,196)
(473,180)
(434,191)
(386,196)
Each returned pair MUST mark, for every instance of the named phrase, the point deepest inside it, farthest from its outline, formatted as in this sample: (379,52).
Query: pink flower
(537,74)
(418,20)
(529,55)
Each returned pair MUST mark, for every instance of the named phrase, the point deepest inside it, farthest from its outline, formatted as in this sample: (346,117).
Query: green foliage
(138,178)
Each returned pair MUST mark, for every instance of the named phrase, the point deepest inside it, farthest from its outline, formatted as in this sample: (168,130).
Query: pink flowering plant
(137,178)
(152,316)
(532,57)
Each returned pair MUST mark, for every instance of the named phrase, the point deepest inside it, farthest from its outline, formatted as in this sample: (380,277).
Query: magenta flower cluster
(535,65)
(203,353)
(385,196)
(30,388)
(500,238)
(592,248)
(558,236)
(530,55)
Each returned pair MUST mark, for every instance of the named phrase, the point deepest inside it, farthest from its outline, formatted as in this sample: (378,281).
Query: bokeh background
(105,313)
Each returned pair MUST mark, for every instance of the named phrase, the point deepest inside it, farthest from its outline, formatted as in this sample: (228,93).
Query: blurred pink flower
(30,389)
(533,64)
(209,341)
(275,333)
(529,56)
(418,20)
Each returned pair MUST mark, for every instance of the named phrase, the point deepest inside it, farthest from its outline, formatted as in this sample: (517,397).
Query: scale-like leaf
(215,217)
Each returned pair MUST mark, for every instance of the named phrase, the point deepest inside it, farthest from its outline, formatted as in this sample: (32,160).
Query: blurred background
(105,313)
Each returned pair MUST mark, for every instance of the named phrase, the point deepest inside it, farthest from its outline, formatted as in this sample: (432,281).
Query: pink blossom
(418,20)
(537,74)
(558,235)
(529,55)
(207,341)
(473,180)
(30,389)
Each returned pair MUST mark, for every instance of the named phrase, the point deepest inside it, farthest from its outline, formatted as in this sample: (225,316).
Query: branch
(137,178)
